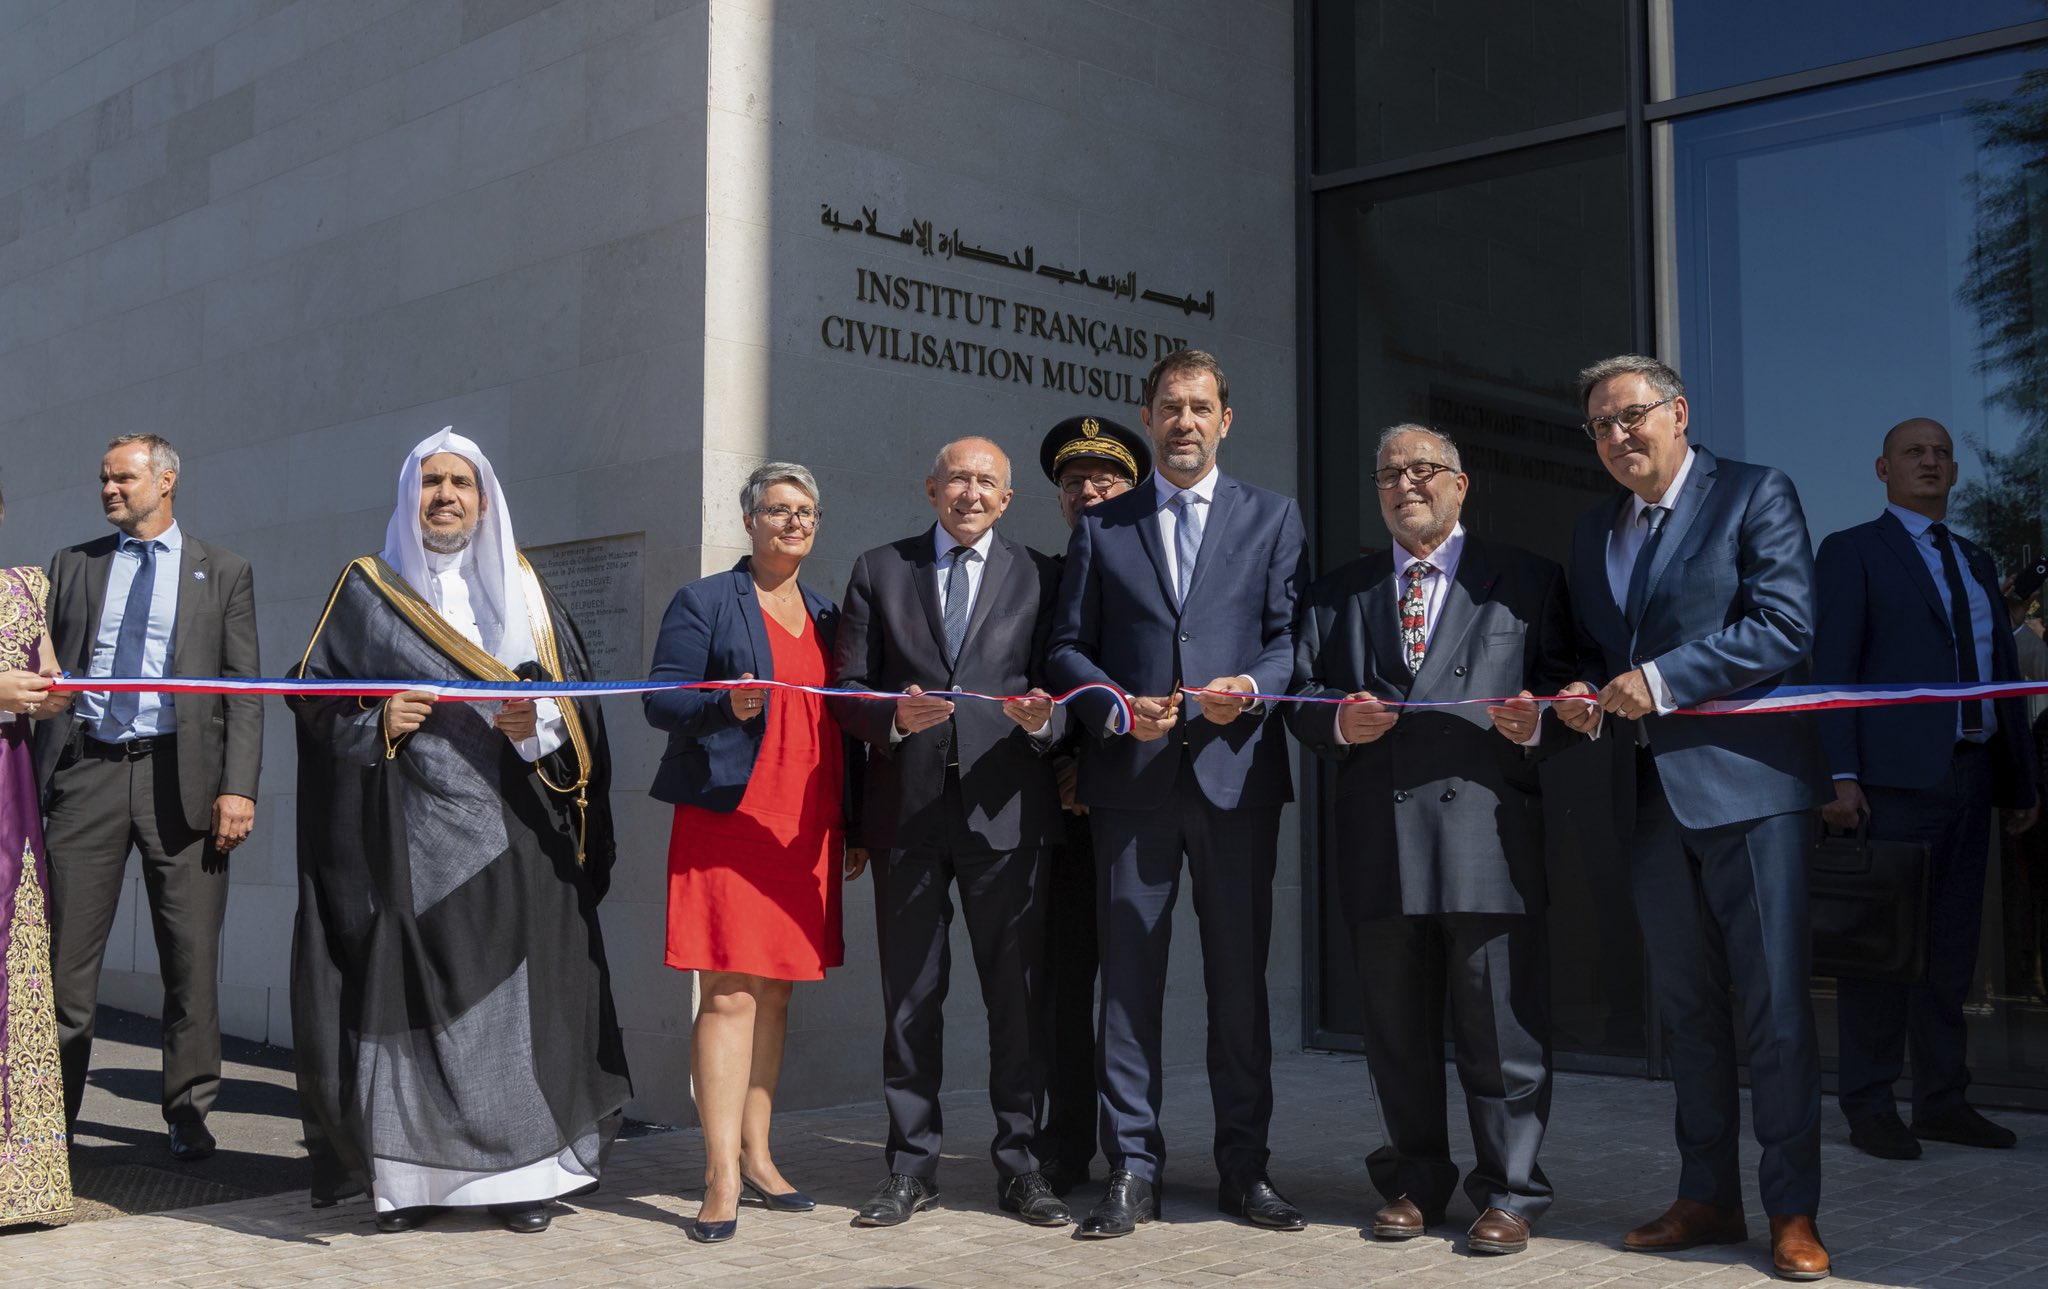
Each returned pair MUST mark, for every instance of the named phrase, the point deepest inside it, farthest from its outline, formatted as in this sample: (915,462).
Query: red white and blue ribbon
(479,691)
(1782,698)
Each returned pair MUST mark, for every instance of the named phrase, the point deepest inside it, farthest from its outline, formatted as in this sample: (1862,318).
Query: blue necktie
(123,707)
(954,618)
(1639,576)
(1961,627)
(1187,540)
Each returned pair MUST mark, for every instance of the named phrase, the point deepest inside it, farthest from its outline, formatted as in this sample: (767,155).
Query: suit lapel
(98,567)
(1000,557)
(1900,543)
(192,582)
(1382,609)
(924,577)
(1221,506)
(1151,538)
(1462,599)
(750,613)
(1686,507)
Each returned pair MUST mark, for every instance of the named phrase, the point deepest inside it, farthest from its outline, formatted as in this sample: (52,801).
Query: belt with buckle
(131,750)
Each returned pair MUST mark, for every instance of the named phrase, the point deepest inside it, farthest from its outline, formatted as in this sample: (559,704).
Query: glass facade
(1822,256)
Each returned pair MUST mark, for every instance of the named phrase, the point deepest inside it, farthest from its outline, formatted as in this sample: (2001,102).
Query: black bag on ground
(1867,901)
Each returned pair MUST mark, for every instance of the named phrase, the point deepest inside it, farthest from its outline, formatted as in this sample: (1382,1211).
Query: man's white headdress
(493,555)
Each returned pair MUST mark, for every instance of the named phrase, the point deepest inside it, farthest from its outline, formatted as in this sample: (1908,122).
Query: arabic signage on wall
(922,322)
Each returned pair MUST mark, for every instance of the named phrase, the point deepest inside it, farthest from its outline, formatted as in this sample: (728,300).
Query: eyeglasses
(1417,472)
(783,516)
(1091,483)
(1627,418)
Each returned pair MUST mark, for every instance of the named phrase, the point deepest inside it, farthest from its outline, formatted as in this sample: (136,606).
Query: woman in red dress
(758,852)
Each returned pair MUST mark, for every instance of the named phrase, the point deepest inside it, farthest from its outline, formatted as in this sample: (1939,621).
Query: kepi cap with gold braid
(1095,438)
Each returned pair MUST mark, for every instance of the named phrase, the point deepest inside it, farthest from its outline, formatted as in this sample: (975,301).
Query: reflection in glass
(1718,43)
(1470,307)
(1393,78)
(1854,256)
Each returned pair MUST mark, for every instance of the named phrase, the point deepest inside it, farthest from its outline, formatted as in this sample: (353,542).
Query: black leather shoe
(786,1202)
(1963,1126)
(392,1221)
(523,1219)
(1253,1198)
(1030,1197)
(190,1141)
(1885,1136)
(895,1200)
(1127,1204)
(1065,1177)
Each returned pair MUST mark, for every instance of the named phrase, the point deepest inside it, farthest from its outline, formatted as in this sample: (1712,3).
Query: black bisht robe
(451,1005)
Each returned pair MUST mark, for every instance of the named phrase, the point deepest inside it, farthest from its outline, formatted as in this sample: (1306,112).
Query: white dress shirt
(450,588)
(1623,545)
(154,713)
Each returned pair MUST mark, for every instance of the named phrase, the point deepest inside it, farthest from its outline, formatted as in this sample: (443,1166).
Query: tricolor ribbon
(1782,698)
(479,691)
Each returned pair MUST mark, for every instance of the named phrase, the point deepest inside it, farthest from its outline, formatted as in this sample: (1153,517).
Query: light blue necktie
(123,707)
(1187,540)
(954,618)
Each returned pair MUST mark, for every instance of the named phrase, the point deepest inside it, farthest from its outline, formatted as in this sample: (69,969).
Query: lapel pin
(199,575)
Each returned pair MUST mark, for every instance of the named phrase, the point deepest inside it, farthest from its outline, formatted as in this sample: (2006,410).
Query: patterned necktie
(1414,616)
(1187,540)
(1972,713)
(954,618)
(1639,576)
(123,707)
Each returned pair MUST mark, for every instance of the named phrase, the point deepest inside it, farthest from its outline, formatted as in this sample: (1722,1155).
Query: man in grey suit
(1695,582)
(957,794)
(172,776)
(1439,836)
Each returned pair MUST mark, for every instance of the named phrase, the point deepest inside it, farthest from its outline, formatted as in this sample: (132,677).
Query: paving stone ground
(1955,1218)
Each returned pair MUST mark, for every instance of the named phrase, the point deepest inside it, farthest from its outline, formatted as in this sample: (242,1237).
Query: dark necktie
(1414,617)
(1972,713)
(1639,576)
(123,707)
(954,618)
(1187,541)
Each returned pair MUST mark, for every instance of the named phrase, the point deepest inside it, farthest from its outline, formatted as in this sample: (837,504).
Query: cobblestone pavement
(1956,1218)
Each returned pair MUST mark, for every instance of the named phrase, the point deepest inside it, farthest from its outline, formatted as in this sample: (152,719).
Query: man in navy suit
(1902,599)
(957,795)
(1692,584)
(1190,582)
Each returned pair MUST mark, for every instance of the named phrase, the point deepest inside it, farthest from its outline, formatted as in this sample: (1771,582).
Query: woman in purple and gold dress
(35,1174)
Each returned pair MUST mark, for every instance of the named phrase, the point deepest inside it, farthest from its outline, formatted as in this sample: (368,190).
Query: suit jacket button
(1399,797)
(1183,636)
(1450,794)
(1459,672)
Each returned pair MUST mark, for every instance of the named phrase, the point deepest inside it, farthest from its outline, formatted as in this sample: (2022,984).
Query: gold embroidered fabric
(21,616)
(35,1167)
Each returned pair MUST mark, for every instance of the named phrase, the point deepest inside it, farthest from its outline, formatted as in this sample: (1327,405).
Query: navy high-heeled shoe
(713,1232)
(787,1202)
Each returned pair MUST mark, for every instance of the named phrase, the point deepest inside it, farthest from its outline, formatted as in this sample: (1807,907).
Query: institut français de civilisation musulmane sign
(924,322)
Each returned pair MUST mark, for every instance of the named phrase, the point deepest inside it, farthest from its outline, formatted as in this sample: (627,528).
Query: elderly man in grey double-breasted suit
(1439,832)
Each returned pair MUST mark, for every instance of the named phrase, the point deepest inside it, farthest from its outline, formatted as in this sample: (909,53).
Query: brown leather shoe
(1796,1250)
(1498,1231)
(1685,1225)
(1400,1220)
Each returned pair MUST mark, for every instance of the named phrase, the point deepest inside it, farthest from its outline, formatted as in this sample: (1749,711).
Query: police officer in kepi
(1090,459)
